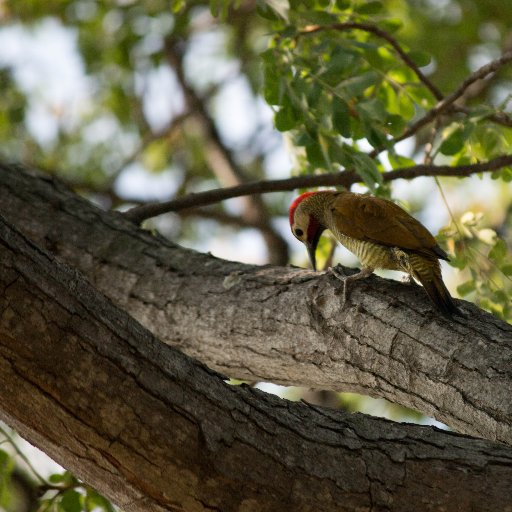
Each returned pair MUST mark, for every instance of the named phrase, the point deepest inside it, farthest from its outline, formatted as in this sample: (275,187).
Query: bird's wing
(381,221)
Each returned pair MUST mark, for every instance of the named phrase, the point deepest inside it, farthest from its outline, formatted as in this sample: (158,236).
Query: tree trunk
(155,430)
(279,324)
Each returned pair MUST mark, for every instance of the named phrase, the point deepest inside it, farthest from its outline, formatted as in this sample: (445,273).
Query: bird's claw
(335,271)
(338,271)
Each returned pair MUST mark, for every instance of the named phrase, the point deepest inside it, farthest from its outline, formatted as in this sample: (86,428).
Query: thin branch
(429,157)
(146,140)
(479,74)
(345,179)
(223,163)
(368,27)
(22,456)
(460,171)
(447,103)
(501,118)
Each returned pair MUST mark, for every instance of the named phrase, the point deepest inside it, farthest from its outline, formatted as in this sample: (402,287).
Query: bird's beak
(312,252)
(312,245)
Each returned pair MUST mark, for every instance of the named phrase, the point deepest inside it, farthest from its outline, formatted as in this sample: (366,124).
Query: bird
(379,232)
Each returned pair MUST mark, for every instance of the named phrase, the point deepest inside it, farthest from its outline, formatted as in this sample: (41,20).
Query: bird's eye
(299,232)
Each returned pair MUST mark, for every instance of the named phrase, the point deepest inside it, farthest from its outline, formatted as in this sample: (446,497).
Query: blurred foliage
(485,261)
(153,87)
(22,488)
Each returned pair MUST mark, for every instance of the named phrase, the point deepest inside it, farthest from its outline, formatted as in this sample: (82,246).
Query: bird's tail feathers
(439,295)
(428,272)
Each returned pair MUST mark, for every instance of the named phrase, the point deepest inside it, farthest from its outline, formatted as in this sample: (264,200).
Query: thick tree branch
(344,179)
(155,430)
(282,325)
(373,29)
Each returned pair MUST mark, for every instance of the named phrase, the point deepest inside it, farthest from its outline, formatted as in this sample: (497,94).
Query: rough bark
(280,324)
(155,430)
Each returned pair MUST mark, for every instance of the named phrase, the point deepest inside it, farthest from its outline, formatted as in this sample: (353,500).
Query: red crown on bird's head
(296,203)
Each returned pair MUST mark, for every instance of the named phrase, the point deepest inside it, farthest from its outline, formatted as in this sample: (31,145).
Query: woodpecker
(379,232)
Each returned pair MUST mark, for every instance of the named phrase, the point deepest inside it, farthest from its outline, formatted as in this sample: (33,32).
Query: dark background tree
(155,101)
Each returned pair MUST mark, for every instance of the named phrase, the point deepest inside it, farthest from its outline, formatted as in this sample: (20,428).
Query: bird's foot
(338,273)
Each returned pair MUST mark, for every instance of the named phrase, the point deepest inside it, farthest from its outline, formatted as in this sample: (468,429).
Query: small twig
(223,163)
(345,179)
(146,140)
(22,456)
(501,118)
(429,146)
(368,27)
(479,74)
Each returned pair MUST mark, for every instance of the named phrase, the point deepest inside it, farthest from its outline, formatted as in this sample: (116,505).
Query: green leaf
(155,157)
(5,461)
(391,25)
(6,467)
(220,8)
(286,118)
(341,117)
(343,4)
(341,60)
(395,124)
(499,251)
(458,261)
(480,112)
(315,155)
(455,138)
(506,174)
(466,288)
(313,94)
(367,169)
(335,151)
(177,6)
(507,269)
(357,85)
(303,139)
(371,109)
(500,297)
(319,17)
(375,136)
(289,31)
(266,11)
(95,500)
(273,84)
(406,106)
(71,501)
(373,7)
(420,58)
(398,161)
(57,478)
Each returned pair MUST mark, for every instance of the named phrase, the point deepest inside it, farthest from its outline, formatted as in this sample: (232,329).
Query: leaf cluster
(485,262)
